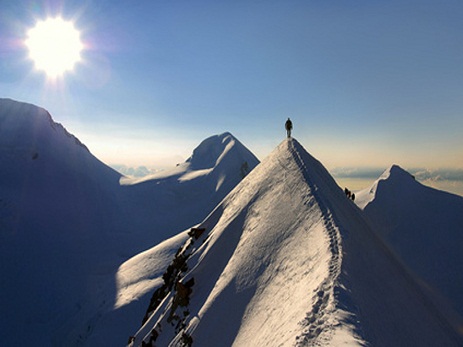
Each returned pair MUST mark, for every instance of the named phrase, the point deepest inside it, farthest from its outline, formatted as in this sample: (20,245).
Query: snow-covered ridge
(287,260)
(240,250)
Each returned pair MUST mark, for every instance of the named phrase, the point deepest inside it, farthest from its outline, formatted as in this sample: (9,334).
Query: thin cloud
(438,174)
(357,172)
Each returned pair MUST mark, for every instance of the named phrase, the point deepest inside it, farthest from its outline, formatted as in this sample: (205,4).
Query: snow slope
(55,223)
(67,224)
(172,200)
(287,260)
(424,226)
(135,280)
(214,168)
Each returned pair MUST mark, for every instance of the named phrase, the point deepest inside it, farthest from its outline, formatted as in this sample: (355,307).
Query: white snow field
(67,224)
(424,226)
(287,260)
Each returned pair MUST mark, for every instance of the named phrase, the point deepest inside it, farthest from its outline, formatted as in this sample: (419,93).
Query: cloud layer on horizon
(137,171)
(421,174)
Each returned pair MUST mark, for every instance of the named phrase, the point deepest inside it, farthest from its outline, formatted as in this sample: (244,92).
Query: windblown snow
(287,260)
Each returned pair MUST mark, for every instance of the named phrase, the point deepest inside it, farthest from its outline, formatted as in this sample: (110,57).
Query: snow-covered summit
(286,260)
(28,122)
(216,166)
(210,152)
(219,155)
(394,175)
(32,143)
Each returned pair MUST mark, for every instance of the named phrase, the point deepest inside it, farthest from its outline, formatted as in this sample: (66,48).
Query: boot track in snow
(316,320)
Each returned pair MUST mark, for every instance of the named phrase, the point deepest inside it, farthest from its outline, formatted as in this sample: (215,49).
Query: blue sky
(366,83)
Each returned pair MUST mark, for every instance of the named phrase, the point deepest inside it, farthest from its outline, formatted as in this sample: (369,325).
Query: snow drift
(424,226)
(287,260)
(67,224)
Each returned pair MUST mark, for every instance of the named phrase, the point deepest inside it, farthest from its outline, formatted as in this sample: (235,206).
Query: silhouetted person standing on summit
(288,127)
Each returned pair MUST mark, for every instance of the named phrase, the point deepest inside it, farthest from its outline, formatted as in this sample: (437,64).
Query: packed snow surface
(287,260)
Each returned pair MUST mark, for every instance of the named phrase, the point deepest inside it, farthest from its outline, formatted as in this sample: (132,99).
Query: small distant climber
(288,127)
(349,194)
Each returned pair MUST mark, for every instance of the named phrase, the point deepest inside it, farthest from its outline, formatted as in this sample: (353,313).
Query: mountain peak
(295,263)
(395,172)
(393,178)
(211,150)
(30,124)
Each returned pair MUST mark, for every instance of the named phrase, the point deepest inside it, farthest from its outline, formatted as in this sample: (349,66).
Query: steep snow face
(66,225)
(46,174)
(287,260)
(424,226)
(136,279)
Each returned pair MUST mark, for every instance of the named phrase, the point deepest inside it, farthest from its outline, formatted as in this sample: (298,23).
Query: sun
(54,45)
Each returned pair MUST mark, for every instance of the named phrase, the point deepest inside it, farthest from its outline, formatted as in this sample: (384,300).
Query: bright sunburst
(55,46)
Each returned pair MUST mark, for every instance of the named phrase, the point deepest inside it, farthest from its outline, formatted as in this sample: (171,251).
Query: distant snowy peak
(397,174)
(214,149)
(221,158)
(394,176)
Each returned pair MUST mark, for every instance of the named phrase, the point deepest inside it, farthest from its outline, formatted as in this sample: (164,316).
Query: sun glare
(55,46)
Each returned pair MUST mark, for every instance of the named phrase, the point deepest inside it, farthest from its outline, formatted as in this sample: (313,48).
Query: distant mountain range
(218,251)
